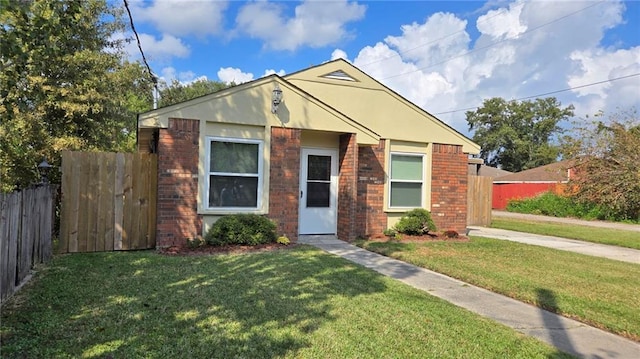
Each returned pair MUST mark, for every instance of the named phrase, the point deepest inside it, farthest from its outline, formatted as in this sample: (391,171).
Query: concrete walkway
(533,217)
(565,334)
(572,245)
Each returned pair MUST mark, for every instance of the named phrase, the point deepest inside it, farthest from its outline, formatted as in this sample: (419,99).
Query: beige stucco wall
(377,107)
(319,139)
(250,104)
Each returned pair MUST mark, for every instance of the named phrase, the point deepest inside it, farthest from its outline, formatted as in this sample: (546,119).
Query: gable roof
(365,100)
(554,172)
(250,103)
(334,96)
(494,172)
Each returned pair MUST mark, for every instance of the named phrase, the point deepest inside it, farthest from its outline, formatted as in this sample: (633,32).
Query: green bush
(415,222)
(243,229)
(389,232)
(551,204)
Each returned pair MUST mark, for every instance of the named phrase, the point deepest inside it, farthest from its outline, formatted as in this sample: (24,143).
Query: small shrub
(389,232)
(416,222)
(451,234)
(283,240)
(242,229)
(195,242)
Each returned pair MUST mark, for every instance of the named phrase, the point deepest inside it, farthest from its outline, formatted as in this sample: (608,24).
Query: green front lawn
(614,237)
(601,292)
(296,303)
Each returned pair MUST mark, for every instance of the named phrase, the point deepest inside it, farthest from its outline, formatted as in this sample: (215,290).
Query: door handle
(300,194)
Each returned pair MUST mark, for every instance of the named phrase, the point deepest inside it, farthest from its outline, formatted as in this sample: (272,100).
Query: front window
(234,173)
(406,180)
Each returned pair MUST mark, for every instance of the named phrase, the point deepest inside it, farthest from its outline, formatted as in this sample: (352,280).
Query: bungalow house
(326,150)
(532,182)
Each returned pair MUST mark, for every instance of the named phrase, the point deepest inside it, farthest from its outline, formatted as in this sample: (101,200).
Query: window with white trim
(234,173)
(406,180)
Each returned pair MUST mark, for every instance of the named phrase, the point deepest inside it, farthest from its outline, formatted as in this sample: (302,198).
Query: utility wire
(144,58)
(493,44)
(548,93)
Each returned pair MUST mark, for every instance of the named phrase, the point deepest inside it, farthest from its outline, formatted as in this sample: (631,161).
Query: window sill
(227,211)
(399,209)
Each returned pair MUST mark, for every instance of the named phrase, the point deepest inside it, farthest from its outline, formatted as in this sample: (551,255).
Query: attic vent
(339,75)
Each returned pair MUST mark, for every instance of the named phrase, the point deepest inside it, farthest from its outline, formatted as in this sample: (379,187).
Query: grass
(614,237)
(298,303)
(601,292)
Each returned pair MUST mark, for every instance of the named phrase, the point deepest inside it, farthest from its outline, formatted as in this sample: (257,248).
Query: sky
(445,56)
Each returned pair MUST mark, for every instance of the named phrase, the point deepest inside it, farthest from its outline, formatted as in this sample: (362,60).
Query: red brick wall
(284,182)
(347,187)
(177,212)
(370,216)
(449,187)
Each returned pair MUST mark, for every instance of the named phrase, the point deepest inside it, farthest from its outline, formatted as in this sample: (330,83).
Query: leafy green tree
(64,84)
(607,169)
(177,92)
(517,135)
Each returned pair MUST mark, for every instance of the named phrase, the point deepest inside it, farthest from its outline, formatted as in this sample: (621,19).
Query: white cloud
(158,49)
(314,24)
(524,49)
(272,71)
(441,36)
(169,74)
(339,54)
(235,75)
(181,18)
(502,23)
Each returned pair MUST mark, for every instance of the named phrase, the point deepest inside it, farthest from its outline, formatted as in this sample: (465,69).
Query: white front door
(318,191)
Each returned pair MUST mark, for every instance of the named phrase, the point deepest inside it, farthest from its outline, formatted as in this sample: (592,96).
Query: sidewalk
(592,249)
(565,334)
(534,217)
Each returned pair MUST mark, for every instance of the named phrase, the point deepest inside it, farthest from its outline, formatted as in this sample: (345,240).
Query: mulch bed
(227,249)
(237,249)
(437,237)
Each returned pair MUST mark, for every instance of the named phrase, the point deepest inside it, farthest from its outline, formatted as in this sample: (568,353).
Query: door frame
(333,187)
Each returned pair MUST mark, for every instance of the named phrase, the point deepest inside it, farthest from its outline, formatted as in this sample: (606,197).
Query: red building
(530,183)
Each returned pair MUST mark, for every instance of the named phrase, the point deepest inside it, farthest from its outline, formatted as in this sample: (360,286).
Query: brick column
(370,216)
(347,187)
(449,187)
(284,182)
(177,212)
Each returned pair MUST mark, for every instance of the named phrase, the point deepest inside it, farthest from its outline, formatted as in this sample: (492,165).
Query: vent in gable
(339,75)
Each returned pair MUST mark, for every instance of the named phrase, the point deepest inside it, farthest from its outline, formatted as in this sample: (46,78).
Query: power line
(493,44)
(144,58)
(548,93)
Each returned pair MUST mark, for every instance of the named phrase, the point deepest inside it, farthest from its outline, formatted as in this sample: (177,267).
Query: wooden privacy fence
(26,226)
(479,189)
(108,201)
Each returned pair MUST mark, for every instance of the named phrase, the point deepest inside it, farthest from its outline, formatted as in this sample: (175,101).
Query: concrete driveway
(571,245)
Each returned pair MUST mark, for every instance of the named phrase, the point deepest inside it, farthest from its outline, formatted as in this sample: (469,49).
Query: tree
(608,163)
(64,84)
(517,135)
(177,92)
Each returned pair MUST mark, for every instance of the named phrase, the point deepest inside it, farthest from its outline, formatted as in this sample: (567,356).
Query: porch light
(276,99)
(44,168)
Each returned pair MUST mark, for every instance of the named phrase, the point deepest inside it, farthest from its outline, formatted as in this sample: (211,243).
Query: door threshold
(315,238)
